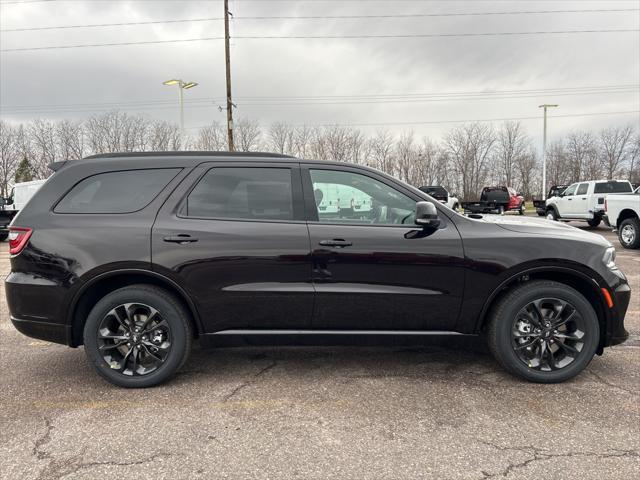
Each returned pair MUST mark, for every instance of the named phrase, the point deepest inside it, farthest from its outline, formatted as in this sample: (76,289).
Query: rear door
(373,268)
(233,236)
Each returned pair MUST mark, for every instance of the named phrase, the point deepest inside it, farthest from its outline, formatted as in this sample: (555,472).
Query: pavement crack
(604,381)
(37,450)
(537,454)
(249,382)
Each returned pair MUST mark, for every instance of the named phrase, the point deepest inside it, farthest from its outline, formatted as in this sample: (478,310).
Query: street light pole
(182,85)
(544,150)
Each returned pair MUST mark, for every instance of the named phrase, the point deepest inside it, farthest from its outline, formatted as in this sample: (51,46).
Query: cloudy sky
(412,78)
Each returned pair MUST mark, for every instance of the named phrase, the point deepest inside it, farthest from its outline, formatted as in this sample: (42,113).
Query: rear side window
(116,192)
(612,187)
(244,193)
(582,189)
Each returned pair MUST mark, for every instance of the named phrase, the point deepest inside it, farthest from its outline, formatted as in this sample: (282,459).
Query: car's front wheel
(543,331)
(629,233)
(552,214)
(137,336)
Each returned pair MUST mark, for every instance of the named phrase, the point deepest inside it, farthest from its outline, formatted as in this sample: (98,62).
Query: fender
(135,271)
(593,278)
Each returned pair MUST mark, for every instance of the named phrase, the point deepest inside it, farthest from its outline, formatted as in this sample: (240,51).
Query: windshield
(612,187)
(434,191)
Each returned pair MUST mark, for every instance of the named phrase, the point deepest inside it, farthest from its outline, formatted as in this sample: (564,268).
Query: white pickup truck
(21,193)
(585,200)
(623,214)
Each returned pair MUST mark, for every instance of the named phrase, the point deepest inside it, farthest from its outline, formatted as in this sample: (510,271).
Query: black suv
(136,255)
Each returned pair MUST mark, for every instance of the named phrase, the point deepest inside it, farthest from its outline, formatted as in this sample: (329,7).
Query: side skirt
(235,338)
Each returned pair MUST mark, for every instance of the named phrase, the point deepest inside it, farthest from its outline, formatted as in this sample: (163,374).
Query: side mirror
(427,215)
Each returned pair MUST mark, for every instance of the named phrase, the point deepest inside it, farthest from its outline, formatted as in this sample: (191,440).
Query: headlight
(609,258)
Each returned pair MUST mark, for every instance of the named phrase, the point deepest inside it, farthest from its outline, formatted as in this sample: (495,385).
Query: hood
(544,227)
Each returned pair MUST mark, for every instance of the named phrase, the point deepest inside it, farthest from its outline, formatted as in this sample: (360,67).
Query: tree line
(467,158)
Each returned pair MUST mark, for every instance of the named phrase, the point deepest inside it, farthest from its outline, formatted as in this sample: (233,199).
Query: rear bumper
(51,332)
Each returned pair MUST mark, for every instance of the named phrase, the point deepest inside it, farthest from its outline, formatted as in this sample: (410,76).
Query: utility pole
(228,66)
(544,150)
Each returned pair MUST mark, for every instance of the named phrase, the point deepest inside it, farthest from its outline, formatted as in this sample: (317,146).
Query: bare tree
(581,151)
(281,138)
(212,138)
(164,136)
(615,146)
(247,135)
(511,146)
(381,151)
(527,173)
(634,160)
(43,136)
(469,147)
(9,156)
(70,140)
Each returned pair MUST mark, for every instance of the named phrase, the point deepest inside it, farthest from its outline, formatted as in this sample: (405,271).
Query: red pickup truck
(496,200)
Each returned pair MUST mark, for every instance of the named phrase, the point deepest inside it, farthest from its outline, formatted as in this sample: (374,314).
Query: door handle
(570,199)
(336,242)
(180,238)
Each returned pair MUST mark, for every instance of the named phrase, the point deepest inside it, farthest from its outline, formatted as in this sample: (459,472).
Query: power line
(317,37)
(320,17)
(329,99)
(438,122)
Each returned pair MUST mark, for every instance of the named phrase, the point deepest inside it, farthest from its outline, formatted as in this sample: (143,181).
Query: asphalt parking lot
(316,413)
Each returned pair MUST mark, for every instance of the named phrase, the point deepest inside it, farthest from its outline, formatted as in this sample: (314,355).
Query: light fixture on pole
(182,85)
(544,150)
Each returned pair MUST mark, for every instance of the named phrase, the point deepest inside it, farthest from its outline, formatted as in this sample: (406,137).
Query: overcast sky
(341,70)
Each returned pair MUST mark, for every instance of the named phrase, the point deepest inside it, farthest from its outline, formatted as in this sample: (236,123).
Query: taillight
(18,238)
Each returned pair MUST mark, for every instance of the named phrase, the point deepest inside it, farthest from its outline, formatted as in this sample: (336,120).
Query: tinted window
(612,187)
(346,197)
(435,192)
(582,189)
(242,193)
(116,192)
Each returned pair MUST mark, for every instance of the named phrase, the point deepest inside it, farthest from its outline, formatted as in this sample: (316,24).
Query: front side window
(244,193)
(582,189)
(116,192)
(571,190)
(346,197)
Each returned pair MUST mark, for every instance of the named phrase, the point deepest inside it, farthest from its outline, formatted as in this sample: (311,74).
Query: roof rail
(189,154)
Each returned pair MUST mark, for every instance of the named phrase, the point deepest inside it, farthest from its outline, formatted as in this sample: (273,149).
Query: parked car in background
(585,200)
(21,193)
(135,255)
(442,195)
(622,212)
(541,205)
(496,200)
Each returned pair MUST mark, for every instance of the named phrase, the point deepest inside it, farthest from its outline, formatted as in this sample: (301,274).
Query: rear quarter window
(612,187)
(124,191)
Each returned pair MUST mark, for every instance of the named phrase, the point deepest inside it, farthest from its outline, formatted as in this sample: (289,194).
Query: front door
(234,237)
(373,269)
(566,201)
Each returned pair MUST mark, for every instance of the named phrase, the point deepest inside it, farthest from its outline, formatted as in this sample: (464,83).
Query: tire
(506,321)
(500,210)
(629,233)
(521,210)
(456,207)
(3,236)
(552,214)
(170,330)
(594,222)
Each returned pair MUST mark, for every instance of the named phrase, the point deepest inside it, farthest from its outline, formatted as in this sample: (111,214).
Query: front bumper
(616,333)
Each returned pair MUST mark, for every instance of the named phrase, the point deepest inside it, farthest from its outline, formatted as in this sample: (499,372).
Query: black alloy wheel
(543,331)
(138,336)
(134,339)
(548,334)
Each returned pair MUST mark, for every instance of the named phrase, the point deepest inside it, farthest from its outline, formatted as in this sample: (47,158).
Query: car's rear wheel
(3,236)
(137,336)
(543,331)
(629,233)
